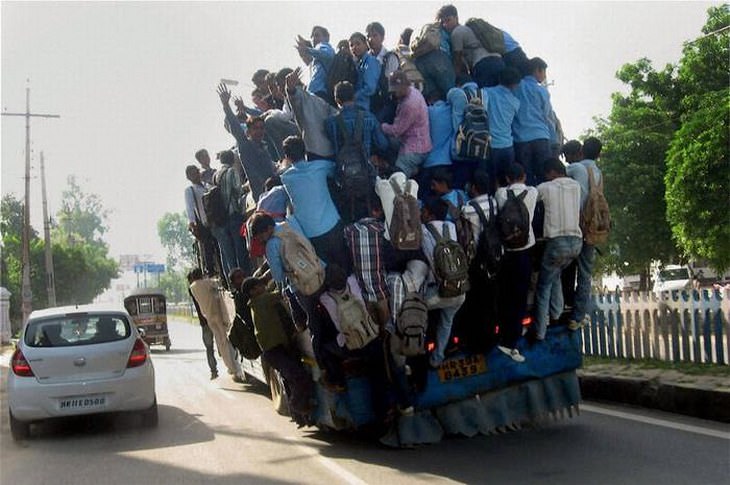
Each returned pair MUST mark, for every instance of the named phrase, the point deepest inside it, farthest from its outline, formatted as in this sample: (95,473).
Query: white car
(79,360)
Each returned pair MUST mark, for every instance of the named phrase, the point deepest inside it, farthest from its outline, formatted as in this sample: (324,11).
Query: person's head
(441,181)
(358,44)
(252,287)
(434,209)
(553,168)
(281,77)
(294,148)
(344,93)
(260,97)
(376,34)
(376,208)
(195,275)
(399,84)
(203,158)
(538,68)
(592,148)
(259,78)
(448,17)
(515,174)
(335,278)
(405,36)
(510,77)
(272,182)
(192,173)
(262,227)
(344,46)
(573,151)
(255,128)
(319,35)
(480,183)
(226,157)
(236,277)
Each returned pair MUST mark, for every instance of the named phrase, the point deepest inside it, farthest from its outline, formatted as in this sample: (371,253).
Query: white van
(672,277)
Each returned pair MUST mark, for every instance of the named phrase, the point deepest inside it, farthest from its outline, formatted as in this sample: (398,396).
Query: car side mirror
(141,332)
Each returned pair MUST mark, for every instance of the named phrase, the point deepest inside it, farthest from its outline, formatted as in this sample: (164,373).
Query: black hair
(443,175)
(437,207)
(481,181)
(536,64)
(572,147)
(343,44)
(592,148)
(405,36)
(514,172)
(226,157)
(195,274)
(199,154)
(252,120)
(509,76)
(294,148)
(190,169)
(272,182)
(233,271)
(282,74)
(325,32)
(375,27)
(554,165)
(344,92)
(259,76)
(446,11)
(249,284)
(359,36)
(260,223)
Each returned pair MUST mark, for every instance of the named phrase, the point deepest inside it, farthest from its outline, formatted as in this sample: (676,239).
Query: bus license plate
(462,367)
(82,402)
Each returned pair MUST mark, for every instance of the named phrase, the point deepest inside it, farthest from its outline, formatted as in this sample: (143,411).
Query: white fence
(687,326)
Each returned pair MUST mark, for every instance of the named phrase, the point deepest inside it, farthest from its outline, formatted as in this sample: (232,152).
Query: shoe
(514,354)
(239,379)
(213,375)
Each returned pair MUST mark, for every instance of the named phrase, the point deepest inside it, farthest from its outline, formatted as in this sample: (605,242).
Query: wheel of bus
(278,392)
(168,344)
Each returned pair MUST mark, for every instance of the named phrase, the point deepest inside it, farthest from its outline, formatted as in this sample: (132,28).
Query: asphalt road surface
(226,433)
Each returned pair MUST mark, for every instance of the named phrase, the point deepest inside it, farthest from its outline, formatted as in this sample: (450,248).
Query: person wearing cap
(410,126)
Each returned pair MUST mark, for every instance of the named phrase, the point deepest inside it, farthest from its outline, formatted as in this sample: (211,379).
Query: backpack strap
(480,212)
(358,128)
(339,119)
(434,232)
(396,188)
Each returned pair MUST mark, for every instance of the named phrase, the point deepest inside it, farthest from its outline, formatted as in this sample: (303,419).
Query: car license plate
(82,402)
(462,367)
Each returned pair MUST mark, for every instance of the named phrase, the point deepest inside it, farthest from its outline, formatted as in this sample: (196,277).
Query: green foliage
(173,284)
(82,217)
(172,229)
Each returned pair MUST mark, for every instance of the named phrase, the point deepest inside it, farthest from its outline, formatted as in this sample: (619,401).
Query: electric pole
(50,278)
(26,292)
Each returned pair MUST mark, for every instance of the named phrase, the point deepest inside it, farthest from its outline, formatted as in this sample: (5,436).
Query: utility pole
(50,277)
(26,292)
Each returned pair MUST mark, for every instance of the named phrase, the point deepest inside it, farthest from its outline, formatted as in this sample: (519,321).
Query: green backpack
(449,264)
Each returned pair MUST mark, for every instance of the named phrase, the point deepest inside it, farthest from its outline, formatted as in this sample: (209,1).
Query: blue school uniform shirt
(456,197)
(442,134)
(510,43)
(368,74)
(273,250)
(534,118)
(306,184)
(502,106)
(322,55)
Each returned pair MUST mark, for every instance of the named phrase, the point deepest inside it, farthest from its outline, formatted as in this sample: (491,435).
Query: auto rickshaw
(148,309)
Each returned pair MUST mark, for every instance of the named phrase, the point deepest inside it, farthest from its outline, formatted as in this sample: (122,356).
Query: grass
(689,368)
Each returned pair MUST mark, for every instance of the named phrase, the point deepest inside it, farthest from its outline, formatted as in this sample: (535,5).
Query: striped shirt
(365,240)
(561,198)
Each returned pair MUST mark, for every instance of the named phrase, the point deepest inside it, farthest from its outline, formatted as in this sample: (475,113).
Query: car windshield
(674,274)
(69,330)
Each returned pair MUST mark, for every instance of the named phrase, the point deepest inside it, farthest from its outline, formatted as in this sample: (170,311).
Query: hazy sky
(134,83)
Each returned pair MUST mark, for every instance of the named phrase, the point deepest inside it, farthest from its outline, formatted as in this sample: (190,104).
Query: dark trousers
(532,155)
(486,71)
(517,59)
(209,349)
(330,247)
(437,71)
(207,248)
(514,283)
(501,158)
(298,383)
(567,278)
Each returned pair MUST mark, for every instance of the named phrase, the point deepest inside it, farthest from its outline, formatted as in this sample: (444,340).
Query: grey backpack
(411,323)
(356,324)
(449,264)
(405,223)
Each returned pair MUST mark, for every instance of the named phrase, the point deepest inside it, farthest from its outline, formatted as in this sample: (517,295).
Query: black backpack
(472,139)
(215,207)
(382,92)
(243,337)
(489,250)
(342,68)
(513,221)
(354,175)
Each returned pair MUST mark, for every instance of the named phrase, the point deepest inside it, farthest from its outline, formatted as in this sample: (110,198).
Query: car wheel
(278,392)
(150,418)
(168,344)
(19,429)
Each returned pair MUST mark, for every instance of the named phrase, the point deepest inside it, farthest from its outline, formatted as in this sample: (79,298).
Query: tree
(698,167)
(172,229)
(82,216)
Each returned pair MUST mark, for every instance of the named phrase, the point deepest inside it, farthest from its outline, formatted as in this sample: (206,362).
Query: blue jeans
(559,252)
(233,251)
(448,308)
(532,155)
(586,258)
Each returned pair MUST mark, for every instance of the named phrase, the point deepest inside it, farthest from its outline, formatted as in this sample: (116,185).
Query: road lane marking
(657,422)
(348,477)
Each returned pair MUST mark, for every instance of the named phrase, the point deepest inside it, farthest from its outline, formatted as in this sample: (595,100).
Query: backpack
(356,324)
(427,40)
(411,323)
(464,234)
(489,36)
(513,221)
(472,139)
(301,263)
(595,219)
(382,91)
(450,264)
(342,68)
(215,208)
(489,250)
(405,223)
(353,176)
(243,337)
(406,64)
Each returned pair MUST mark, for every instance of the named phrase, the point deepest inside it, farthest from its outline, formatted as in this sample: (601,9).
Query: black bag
(215,207)
(450,264)
(489,250)
(342,68)
(472,139)
(354,176)
(513,221)
(382,92)
(243,337)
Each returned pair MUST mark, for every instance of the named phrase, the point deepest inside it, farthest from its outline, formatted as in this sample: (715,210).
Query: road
(222,432)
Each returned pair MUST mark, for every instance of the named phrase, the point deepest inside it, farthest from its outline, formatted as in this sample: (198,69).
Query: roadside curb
(651,393)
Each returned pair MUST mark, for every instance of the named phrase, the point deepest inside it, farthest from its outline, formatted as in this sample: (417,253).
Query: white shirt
(561,198)
(387,195)
(194,204)
(530,201)
(393,63)
(471,214)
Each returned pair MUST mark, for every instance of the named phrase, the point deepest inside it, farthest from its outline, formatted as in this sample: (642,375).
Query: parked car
(670,278)
(72,361)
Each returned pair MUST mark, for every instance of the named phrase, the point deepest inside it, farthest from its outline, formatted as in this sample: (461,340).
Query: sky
(134,83)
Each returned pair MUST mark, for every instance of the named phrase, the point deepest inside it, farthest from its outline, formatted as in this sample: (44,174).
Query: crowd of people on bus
(393,189)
